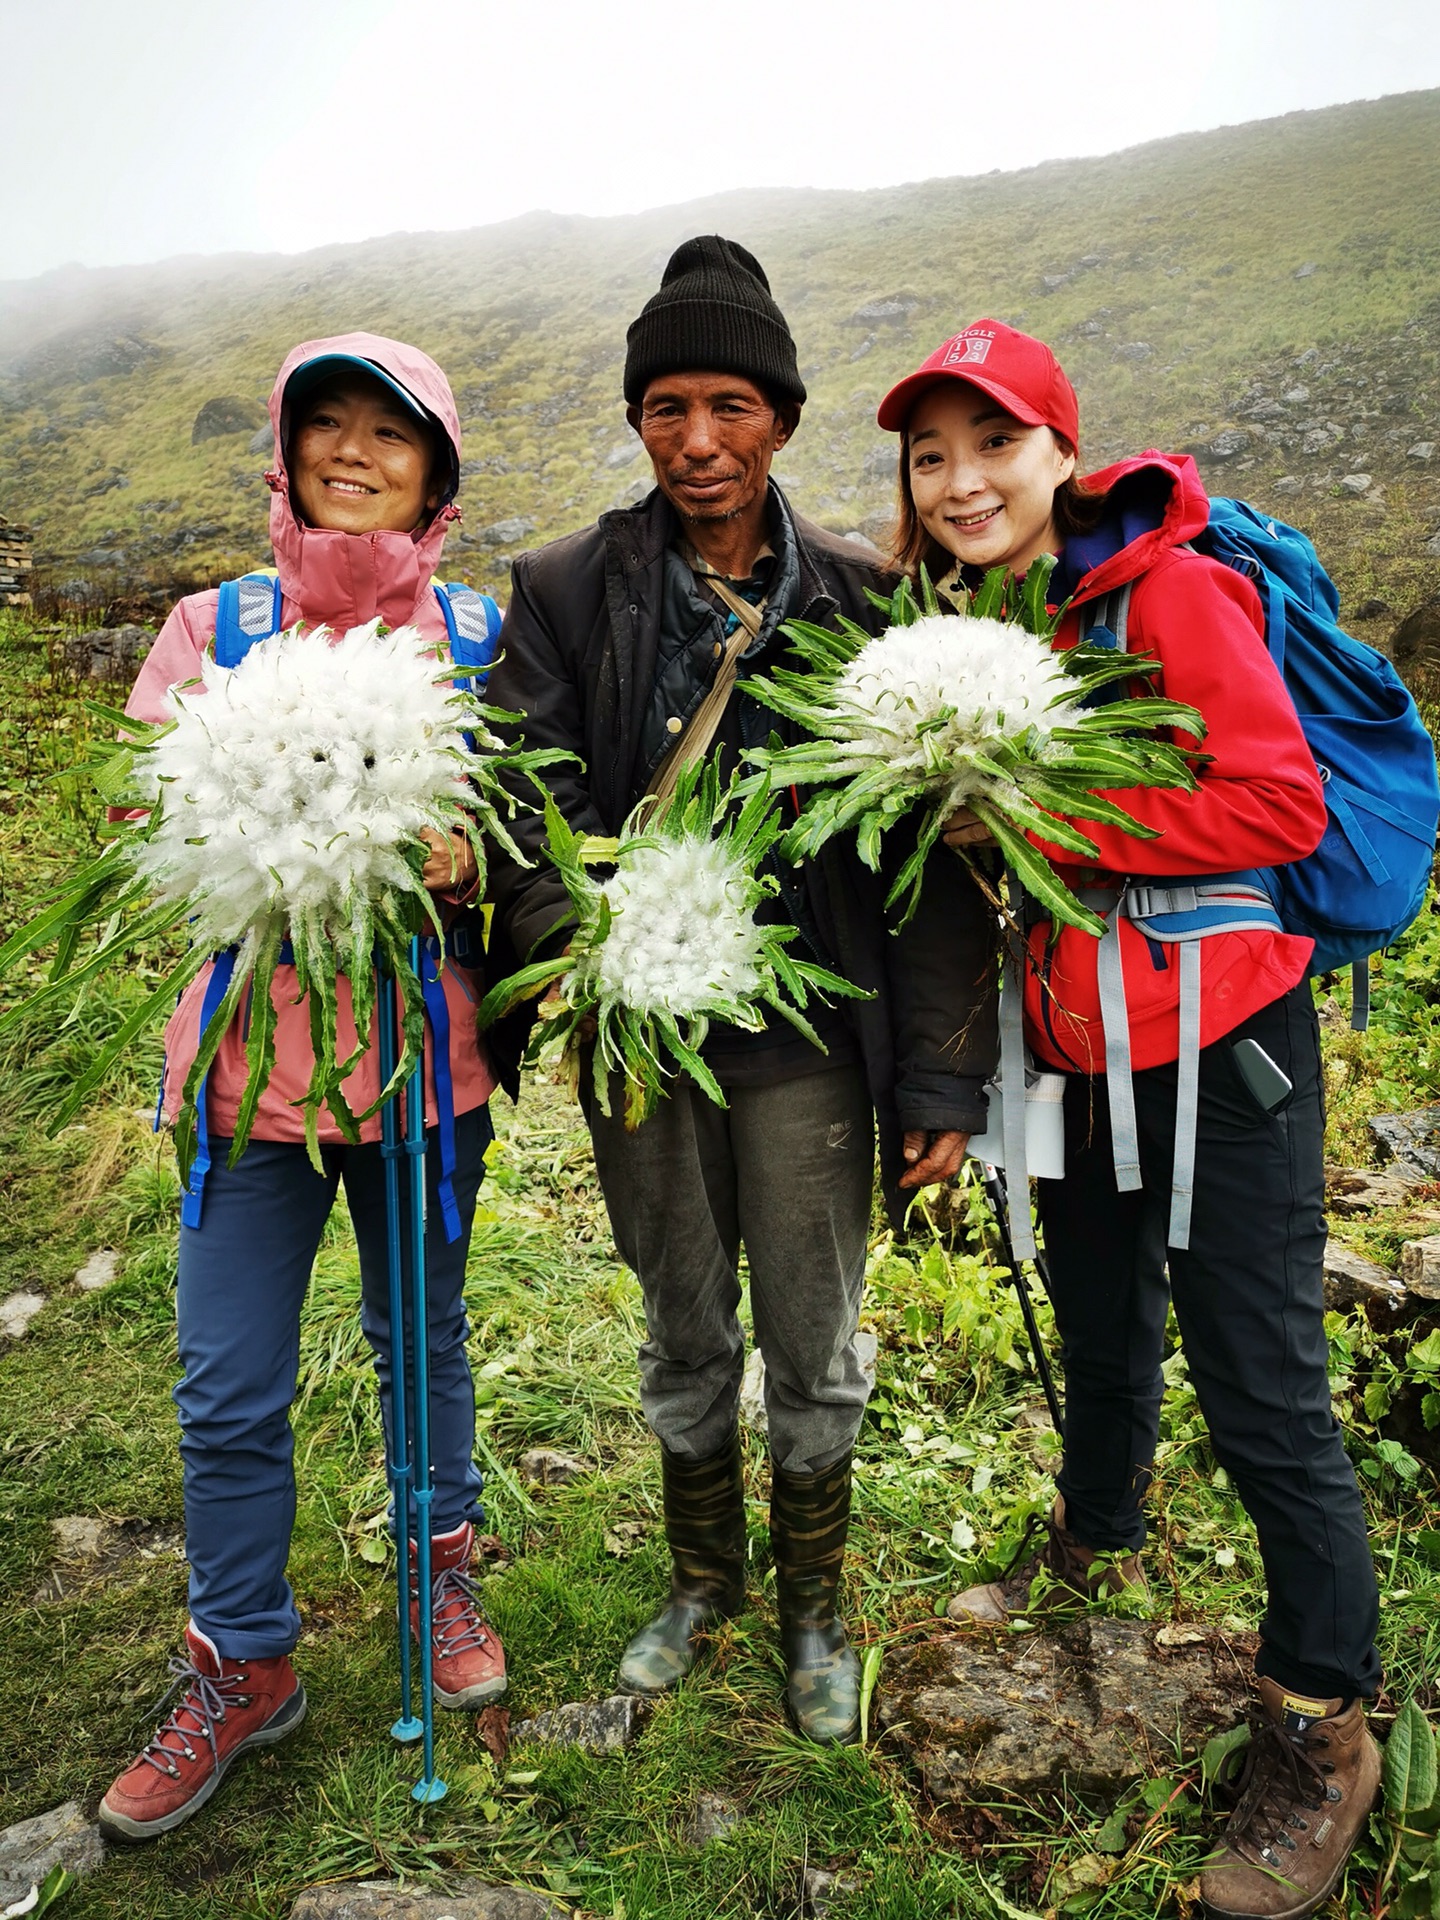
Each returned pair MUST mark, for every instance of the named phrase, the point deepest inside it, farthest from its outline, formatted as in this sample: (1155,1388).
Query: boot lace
(204,1701)
(459,1618)
(1283,1780)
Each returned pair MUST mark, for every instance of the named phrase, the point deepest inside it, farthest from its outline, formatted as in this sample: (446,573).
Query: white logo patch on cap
(968,349)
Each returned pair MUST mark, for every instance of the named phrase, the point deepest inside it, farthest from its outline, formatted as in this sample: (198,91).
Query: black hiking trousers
(1249,1303)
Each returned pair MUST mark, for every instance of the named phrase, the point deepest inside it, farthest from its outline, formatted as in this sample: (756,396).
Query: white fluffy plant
(665,941)
(980,711)
(283,800)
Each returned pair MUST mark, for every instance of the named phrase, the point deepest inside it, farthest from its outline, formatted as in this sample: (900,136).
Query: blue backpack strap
(216,988)
(472,622)
(249,609)
(438,1013)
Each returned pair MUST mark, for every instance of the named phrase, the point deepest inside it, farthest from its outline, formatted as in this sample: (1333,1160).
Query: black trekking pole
(998,1195)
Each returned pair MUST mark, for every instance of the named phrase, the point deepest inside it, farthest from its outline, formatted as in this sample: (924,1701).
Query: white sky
(131,131)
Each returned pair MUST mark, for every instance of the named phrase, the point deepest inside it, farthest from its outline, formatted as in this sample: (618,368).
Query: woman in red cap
(989,444)
(367,461)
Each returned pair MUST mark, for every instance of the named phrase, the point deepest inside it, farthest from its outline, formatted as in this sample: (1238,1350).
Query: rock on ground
(108,653)
(224,414)
(1353,1281)
(60,1838)
(1352,1191)
(713,1815)
(1410,1139)
(595,1726)
(1415,643)
(393,1900)
(98,1271)
(546,1467)
(1096,1703)
(16,1313)
(821,1887)
(1420,1266)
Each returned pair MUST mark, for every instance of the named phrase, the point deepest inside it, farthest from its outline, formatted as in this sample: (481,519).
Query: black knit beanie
(713,314)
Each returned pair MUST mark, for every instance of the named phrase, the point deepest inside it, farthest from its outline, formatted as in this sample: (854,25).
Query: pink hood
(342,580)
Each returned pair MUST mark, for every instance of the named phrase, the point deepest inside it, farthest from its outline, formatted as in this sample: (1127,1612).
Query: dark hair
(1077,509)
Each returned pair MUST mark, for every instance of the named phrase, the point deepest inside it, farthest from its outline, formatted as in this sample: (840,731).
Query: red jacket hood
(344,579)
(1154,502)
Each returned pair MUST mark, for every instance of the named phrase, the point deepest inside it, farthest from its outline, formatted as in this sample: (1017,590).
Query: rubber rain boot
(705,1525)
(809,1521)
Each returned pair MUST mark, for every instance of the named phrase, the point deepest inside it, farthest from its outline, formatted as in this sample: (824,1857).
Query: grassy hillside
(1268,296)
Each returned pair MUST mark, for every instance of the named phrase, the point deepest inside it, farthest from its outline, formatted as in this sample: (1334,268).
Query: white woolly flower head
(930,695)
(295,782)
(683,938)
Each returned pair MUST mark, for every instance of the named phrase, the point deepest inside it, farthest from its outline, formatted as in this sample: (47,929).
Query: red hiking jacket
(1259,802)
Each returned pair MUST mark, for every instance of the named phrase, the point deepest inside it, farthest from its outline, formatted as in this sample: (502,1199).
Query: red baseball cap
(1013,368)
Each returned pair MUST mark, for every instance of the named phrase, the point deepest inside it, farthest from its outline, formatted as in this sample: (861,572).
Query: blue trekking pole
(407,1480)
(427,1788)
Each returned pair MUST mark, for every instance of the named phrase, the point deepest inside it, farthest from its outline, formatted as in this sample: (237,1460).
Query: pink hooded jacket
(338,580)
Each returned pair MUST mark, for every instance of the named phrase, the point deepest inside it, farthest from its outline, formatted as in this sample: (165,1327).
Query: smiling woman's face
(983,482)
(360,459)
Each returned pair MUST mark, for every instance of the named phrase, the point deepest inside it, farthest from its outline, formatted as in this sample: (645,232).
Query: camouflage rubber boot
(809,1519)
(1311,1776)
(705,1524)
(1061,1579)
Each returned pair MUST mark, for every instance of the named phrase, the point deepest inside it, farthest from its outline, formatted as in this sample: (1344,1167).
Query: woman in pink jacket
(367,464)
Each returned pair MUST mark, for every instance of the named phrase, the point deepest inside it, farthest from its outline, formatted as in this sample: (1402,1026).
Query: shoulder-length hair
(1077,509)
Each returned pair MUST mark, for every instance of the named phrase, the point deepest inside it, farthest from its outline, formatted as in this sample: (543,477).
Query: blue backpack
(1366,881)
(1359,889)
(250,610)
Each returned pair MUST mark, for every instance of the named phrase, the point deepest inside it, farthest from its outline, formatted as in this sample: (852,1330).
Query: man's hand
(451,866)
(962,829)
(932,1157)
(552,998)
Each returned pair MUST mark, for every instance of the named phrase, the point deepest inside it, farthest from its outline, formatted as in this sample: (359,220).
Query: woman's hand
(932,1157)
(962,829)
(451,867)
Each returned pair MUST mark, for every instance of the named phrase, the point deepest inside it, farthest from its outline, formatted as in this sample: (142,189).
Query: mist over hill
(1266,296)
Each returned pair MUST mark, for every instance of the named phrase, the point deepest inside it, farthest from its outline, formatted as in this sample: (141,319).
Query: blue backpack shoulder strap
(249,609)
(472,621)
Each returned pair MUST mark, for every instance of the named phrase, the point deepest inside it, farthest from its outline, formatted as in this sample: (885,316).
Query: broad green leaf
(1408,1768)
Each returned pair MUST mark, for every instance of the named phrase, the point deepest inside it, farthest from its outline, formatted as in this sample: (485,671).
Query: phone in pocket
(1270,1084)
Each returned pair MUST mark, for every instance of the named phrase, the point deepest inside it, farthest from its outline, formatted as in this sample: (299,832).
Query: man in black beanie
(623,645)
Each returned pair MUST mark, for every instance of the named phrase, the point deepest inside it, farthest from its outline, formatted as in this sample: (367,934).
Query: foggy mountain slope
(1267,295)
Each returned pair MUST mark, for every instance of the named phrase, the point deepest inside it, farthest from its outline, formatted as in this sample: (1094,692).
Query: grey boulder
(61,1838)
(595,1726)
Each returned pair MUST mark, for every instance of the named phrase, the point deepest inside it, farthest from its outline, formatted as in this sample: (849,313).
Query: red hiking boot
(468,1661)
(225,1708)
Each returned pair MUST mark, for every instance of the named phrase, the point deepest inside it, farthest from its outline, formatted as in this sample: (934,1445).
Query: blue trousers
(244,1272)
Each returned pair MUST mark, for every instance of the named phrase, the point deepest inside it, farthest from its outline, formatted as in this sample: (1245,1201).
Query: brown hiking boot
(226,1707)
(1063,1577)
(1310,1779)
(467,1660)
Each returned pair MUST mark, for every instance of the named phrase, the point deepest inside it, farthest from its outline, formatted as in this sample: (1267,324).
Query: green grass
(945,1480)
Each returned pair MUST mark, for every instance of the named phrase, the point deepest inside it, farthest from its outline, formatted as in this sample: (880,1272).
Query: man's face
(711,438)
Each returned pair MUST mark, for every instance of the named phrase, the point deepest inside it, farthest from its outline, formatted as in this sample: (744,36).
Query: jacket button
(674,724)
(717,649)
(634,609)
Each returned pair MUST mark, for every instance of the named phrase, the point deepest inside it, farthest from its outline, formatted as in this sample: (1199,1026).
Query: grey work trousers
(785,1171)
